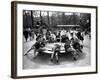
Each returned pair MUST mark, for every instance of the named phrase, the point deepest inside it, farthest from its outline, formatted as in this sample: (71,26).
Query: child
(56,52)
(43,42)
(76,45)
(69,48)
(36,47)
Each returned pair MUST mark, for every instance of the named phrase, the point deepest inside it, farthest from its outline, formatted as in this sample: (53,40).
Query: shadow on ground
(44,59)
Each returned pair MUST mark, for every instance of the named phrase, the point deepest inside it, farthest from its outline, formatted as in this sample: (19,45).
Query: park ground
(42,61)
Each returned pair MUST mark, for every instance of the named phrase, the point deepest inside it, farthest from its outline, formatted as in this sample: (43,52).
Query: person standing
(25,33)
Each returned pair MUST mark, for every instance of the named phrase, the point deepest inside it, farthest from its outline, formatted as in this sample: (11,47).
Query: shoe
(25,54)
(57,61)
(51,60)
(74,58)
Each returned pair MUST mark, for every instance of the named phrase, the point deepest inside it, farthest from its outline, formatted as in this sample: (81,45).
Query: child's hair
(43,39)
(71,34)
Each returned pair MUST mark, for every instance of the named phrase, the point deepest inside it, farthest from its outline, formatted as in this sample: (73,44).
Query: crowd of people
(72,40)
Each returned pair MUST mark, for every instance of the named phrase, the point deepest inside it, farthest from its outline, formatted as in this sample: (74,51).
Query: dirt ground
(42,61)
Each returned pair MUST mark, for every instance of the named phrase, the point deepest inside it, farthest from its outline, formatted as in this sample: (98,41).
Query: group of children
(71,45)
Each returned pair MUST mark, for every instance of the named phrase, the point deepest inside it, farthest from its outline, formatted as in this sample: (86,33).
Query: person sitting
(76,45)
(43,42)
(53,37)
(56,50)
(58,36)
(69,48)
(47,35)
(80,36)
(67,45)
(36,47)
(63,38)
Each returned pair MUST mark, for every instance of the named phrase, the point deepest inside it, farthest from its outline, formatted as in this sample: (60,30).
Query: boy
(69,48)
(36,47)
(56,52)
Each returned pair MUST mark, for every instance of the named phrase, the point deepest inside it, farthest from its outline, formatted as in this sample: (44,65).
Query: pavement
(42,61)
